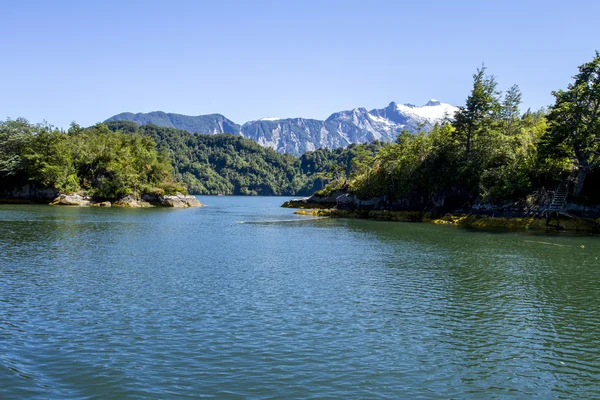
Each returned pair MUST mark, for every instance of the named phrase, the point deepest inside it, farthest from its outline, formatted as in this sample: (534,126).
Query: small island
(86,167)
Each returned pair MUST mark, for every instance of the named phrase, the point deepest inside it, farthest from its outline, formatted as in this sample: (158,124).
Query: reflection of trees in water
(504,308)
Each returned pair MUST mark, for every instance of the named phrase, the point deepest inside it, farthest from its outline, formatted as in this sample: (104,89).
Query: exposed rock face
(28,193)
(71,200)
(102,204)
(211,124)
(315,201)
(339,199)
(177,201)
(299,135)
(352,202)
(131,202)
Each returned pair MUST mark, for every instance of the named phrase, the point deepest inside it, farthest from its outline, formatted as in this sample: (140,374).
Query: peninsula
(490,165)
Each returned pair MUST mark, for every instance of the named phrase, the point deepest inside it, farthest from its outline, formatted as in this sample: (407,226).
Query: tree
(15,138)
(480,109)
(509,111)
(574,123)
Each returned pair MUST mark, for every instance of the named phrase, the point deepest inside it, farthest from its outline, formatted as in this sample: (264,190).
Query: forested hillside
(490,152)
(95,161)
(230,164)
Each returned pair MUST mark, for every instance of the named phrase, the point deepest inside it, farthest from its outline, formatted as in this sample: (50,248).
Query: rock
(345,202)
(177,201)
(326,200)
(71,200)
(102,204)
(297,203)
(315,201)
(374,203)
(180,201)
(351,202)
(29,193)
(131,202)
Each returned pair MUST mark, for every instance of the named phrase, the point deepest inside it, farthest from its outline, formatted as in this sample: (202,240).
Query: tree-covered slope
(230,164)
(94,161)
(491,153)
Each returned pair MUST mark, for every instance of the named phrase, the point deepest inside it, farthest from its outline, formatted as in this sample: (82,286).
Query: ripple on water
(174,303)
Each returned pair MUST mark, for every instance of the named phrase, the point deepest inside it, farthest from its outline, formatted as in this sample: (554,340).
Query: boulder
(102,204)
(71,200)
(315,201)
(28,193)
(348,201)
(345,202)
(130,202)
(177,201)
(180,201)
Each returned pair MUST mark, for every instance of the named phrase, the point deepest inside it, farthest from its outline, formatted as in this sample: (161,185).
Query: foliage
(15,137)
(96,161)
(473,121)
(574,122)
(230,164)
(489,152)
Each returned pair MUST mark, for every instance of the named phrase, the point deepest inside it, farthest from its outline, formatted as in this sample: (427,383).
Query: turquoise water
(243,299)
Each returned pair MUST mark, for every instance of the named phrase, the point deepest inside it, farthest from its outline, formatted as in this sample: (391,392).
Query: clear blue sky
(85,61)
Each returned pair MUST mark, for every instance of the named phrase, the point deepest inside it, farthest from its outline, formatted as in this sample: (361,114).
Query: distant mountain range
(299,135)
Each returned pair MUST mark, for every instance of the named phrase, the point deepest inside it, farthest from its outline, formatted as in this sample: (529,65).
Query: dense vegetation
(490,152)
(229,164)
(111,160)
(95,161)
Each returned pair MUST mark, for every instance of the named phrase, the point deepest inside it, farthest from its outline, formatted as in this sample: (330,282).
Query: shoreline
(476,221)
(145,201)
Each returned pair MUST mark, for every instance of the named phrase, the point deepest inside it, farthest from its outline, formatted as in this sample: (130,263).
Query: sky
(84,61)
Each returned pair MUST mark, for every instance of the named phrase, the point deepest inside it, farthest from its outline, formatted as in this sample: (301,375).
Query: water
(243,299)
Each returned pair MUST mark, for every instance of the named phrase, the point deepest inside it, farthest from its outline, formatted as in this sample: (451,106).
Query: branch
(594,116)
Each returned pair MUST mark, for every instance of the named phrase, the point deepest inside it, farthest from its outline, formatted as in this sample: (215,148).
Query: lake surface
(243,299)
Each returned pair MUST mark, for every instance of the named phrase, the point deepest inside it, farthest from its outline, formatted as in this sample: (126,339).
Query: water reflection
(161,303)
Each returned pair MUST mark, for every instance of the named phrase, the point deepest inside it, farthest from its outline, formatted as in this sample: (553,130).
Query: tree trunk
(583,171)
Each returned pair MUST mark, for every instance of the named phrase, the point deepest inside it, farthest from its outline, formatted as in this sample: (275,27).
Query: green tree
(509,111)
(574,123)
(15,137)
(474,119)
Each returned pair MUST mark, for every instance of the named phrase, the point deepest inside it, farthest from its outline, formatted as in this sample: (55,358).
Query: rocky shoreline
(507,216)
(176,201)
(29,194)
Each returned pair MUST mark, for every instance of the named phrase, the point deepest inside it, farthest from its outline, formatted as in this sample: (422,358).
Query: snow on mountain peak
(433,111)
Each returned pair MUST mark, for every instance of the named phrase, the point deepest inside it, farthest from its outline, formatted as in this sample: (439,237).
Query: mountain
(211,123)
(299,135)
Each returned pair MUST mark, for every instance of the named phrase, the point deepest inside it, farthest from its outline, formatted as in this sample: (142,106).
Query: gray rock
(331,199)
(71,200)
(131,202)
(28,193)
(177,201)
(102,204)
(344,201)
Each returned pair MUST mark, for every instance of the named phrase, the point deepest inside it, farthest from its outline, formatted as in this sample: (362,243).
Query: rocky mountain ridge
(299,135)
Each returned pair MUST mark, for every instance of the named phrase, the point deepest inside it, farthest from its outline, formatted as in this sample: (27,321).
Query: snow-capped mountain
(299,135)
